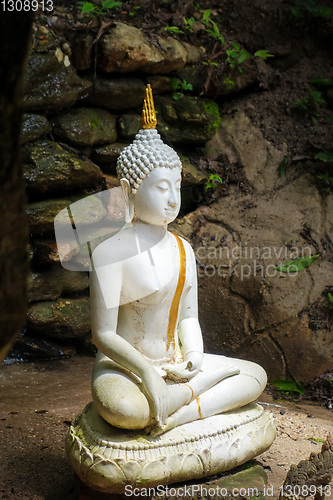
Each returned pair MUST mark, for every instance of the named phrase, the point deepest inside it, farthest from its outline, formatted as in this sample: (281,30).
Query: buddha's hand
(187,369)
(158,394)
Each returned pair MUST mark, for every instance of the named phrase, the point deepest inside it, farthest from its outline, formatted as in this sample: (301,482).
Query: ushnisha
(191,413)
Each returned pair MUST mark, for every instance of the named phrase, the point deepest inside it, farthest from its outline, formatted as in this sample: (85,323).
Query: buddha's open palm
(186,370)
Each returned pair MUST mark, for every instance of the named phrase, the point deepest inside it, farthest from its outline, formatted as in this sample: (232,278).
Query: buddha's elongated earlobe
(125,185)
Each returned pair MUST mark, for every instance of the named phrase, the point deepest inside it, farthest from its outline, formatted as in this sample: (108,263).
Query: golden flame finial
(148,118)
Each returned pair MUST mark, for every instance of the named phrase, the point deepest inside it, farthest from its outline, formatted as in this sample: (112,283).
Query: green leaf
(317,440)
(287,385)
(330,296)
(237,47)
(243,57)
(282,166)
(325,156)
(177,96)
(292,266)
(215,178)
(296,11)
(110,4)
(173,29)
(88,7)
(263,53)
(175,84)
(206,14)
(322,82)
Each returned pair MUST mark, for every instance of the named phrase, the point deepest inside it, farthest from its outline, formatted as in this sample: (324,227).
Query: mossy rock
(34,126)
(60,319)
(84,127)
(50,285)
(188,120)
(129,126)
(50,86)
(48,168)
(43,213)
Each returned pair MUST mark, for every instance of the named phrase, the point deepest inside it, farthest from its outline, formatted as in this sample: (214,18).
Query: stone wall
(75,126)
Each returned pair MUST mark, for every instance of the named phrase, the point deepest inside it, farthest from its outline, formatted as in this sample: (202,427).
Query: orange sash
(173,315)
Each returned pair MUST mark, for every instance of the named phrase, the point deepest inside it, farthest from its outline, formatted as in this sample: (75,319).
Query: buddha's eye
(163,186)
(177,186)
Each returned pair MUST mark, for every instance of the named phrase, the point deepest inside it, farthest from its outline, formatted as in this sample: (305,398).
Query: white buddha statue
(150,370)
(163,411)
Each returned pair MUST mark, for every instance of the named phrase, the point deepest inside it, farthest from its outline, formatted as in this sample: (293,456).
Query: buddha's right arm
(104,325)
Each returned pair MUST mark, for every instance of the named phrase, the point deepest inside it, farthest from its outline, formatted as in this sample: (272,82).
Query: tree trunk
(15,29)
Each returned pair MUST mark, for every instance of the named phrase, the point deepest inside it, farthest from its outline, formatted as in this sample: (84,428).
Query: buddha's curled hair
(146,152)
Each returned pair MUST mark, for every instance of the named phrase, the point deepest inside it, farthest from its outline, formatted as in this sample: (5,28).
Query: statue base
(246,482)
(112,460)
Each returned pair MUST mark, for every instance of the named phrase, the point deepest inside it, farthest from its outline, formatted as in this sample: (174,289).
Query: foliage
(173,29)
(236,56)
(282,166)
(325,156)
(309,102)
(317,440)
(181,86)
(214,181)
(291,266)
(288,386)
(326,180)
(263,53)
(310,7)
(330,298)
(98,10)
(322,82)
(189,23)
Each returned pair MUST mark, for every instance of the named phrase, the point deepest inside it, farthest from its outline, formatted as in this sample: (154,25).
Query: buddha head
(150,173)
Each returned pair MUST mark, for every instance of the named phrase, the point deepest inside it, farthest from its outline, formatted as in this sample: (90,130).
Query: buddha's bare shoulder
(117,248)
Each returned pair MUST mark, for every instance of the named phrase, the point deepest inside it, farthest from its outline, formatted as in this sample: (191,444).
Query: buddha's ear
(125,185)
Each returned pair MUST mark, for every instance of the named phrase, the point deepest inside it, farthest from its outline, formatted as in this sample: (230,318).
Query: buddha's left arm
(189,330)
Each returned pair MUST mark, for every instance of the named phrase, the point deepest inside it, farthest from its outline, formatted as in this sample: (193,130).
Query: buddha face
(157,200)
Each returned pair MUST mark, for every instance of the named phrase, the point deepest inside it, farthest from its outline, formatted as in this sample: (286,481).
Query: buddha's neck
(149,232)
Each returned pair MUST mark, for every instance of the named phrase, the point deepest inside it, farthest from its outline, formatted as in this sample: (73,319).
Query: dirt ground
(38,401)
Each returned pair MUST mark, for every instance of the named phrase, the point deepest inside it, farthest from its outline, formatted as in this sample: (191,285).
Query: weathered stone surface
(160,84)
(245,144)
(191,175)
(86,127)
(106,154)
(32,348)
(41,214)
(129,126)
(193,181)
(125,49)
(45,251)
(60,319)
(219,84)
(50,285)
(33,126)
(238,241)
(48,168)
(50,86)
(81,47)
(189,120)
(116,94)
